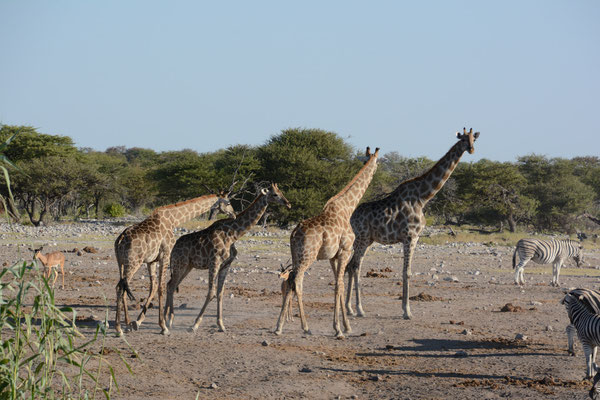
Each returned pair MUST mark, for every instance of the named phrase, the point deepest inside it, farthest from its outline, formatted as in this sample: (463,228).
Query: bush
(41,346)
(114,210)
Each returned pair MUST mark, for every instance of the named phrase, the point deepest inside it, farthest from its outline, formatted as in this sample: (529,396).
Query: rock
(306,370)
(549,328)
(461,353)
(521,336)
(535,303)
(375,378)
(214,386)
(467,332)
(508,307)
(265,343)
(90,249)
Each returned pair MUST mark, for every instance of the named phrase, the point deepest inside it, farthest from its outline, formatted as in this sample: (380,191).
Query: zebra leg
(589,360)
(571,331)
(557,273)
(519,272)
(594,366)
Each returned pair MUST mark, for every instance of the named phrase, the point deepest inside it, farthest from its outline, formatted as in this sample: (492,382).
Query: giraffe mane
(183,203)
(347,187)
(417,178)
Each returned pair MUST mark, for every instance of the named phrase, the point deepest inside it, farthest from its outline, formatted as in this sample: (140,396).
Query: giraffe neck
(428,184)
(350,195)
(249,217)
(176,214)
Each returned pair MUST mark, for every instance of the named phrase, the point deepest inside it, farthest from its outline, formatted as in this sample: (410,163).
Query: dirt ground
(458,345)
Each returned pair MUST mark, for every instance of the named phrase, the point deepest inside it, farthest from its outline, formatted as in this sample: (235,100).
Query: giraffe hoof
(361,314)
(340,336)
(277,332)
(135,325)
(165,332)
(192,329)
(407,316)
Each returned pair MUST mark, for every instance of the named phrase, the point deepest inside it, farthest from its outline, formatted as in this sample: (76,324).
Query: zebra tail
(515,259)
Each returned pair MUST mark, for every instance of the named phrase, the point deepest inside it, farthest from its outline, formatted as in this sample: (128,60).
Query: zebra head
(595,390)
(468,139)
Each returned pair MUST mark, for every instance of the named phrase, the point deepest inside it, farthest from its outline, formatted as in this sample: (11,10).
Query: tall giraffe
(214,249)
(328,236)
(399,218)
(150,242)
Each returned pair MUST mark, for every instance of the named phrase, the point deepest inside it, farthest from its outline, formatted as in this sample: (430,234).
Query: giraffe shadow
(447,348)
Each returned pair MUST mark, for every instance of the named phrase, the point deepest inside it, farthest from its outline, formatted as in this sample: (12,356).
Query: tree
(497,189)
(560,193)
(48,181)
(310,166)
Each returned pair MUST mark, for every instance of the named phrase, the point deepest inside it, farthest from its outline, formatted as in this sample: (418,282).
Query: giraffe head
(467,139)
(223,205)
(274,195)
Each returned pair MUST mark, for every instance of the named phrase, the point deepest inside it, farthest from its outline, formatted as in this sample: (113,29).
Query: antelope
(49,260)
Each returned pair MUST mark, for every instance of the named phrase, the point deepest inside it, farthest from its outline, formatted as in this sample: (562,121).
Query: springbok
(49,260)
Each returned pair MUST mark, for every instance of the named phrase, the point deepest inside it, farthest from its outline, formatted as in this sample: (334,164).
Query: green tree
(48,181)
(562,196)
(310,166)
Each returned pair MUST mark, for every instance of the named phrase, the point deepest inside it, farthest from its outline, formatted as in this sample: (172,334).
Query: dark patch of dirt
(508,307)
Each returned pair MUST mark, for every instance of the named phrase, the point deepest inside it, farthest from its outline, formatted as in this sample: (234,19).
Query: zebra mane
(589,298)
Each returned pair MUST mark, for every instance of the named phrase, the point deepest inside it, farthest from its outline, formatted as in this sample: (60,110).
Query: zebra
(582,306)
(554,251)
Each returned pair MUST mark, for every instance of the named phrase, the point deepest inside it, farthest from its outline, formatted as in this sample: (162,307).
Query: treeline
(55,180)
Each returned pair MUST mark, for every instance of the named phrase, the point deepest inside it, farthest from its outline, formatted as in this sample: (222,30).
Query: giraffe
(214,249)
(327,236)
(150,242)
(399,217)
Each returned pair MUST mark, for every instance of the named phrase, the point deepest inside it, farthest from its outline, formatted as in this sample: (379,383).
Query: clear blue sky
(403,76)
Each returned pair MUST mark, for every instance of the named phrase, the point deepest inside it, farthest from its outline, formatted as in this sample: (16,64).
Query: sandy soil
(458,345)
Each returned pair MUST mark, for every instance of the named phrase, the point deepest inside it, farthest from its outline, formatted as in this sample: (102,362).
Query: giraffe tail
(125,286)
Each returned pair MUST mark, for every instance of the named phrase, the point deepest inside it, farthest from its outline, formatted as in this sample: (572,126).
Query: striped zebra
(583,306)
(553,251)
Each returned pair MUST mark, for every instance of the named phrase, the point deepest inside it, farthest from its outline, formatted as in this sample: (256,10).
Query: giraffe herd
(341,233)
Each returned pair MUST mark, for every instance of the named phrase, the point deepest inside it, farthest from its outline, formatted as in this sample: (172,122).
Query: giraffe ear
(476,135)
(458,135)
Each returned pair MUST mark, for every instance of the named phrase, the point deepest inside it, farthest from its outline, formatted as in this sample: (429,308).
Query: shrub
(114,210)
(41,348)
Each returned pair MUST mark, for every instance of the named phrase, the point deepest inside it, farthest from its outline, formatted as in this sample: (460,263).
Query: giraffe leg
(212,292)
(343,262)
(298,286)
(178,273)
(222,276)
(286,293)
(164,265)
(409,247)
(153,287)
(120,294)
(353,270)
